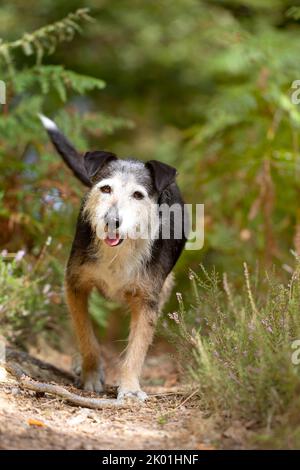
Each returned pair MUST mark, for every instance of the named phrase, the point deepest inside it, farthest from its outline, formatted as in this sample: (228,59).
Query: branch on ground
(27,383)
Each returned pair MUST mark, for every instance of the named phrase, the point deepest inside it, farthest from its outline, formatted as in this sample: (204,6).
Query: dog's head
(123,200)
(124,196)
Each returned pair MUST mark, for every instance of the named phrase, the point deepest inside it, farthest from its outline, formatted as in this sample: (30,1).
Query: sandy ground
(170,419)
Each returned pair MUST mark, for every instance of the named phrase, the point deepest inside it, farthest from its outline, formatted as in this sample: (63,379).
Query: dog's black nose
(112,220)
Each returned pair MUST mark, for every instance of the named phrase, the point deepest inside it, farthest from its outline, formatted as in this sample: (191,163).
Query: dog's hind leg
(92,376)
(144,315)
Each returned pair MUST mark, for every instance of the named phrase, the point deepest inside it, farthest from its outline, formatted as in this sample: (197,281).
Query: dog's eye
(105,189)
(138,195)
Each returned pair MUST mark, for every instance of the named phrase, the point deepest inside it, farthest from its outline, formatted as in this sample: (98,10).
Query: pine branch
(45,39)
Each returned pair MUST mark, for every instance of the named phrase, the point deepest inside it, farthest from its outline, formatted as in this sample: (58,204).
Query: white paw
(139,395)
(93,380)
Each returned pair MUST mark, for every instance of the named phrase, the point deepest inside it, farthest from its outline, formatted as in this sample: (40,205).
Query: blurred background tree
(202,85)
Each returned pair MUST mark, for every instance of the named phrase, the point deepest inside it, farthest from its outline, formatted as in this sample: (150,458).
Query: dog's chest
(119,271)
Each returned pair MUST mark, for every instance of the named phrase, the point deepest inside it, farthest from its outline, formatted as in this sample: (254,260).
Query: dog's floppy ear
(163,175)
(96,160)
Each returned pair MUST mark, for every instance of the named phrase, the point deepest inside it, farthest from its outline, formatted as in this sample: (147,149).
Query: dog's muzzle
(113,222)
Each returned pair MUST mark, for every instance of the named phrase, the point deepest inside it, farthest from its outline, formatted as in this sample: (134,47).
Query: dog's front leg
(143,319)
(92,375)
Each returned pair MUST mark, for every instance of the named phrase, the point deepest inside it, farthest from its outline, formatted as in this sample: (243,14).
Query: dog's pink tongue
(112,241)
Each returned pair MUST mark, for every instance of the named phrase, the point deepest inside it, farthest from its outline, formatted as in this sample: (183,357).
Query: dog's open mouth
(113,239)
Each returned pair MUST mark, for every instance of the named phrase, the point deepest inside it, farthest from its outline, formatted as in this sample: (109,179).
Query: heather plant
(31,300)
(241,343)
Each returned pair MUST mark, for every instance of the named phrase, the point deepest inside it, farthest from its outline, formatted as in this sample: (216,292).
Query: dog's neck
(120,268)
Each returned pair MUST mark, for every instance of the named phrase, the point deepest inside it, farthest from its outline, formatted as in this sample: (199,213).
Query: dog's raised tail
(71,157)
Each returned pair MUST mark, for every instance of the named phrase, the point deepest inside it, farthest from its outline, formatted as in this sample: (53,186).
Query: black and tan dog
(122,249)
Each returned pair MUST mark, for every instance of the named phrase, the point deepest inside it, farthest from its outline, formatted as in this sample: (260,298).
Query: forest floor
(170,419)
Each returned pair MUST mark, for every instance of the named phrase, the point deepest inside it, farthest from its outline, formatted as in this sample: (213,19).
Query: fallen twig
(28,383)
(187,399)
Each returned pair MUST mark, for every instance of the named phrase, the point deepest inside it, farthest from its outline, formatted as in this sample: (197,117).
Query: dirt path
(167,421)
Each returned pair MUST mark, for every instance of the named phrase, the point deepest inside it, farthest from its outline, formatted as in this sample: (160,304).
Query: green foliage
(46,39)
(37,192)
(43,78)
(240,344)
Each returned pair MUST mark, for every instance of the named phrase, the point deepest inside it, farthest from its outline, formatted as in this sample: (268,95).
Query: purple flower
(20,255)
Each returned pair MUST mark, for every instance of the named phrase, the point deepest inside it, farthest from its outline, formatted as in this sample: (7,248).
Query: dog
(106,254)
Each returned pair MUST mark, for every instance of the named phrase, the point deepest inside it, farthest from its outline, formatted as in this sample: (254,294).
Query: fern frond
(47,77)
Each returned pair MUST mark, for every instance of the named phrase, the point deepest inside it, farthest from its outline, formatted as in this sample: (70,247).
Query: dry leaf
(36,422)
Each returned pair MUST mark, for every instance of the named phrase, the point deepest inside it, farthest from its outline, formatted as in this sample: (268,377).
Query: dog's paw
(76,366)
(93,380)
(138,395)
